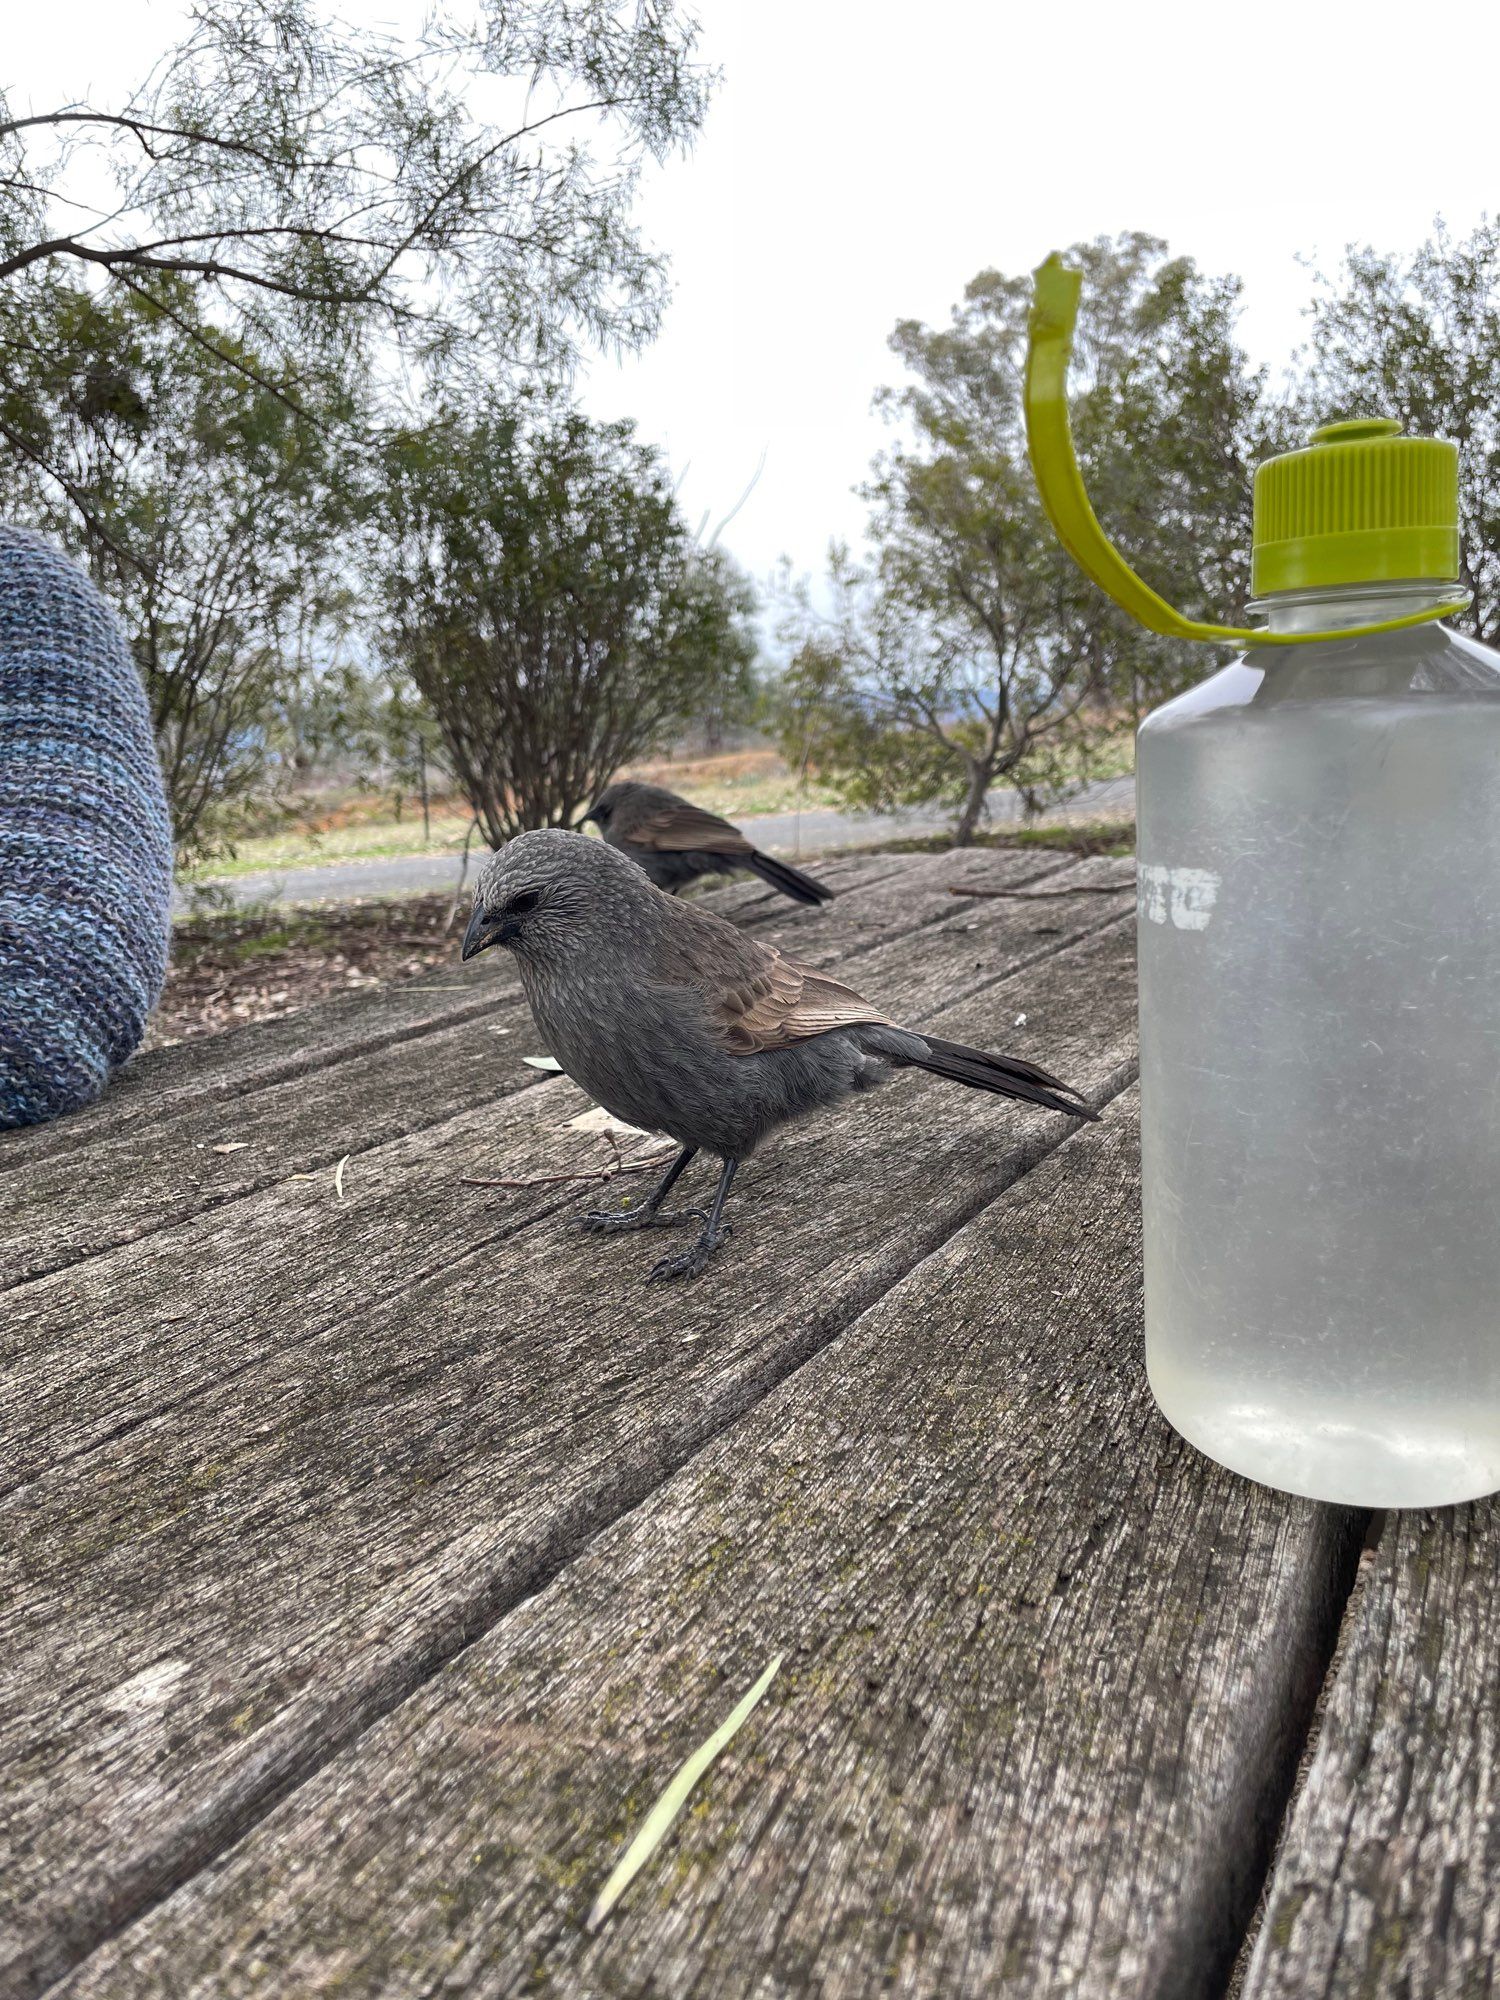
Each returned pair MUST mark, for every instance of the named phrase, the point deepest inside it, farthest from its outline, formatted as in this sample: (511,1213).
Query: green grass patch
(1113,837)
(741,785)
(305,847)
(280,939)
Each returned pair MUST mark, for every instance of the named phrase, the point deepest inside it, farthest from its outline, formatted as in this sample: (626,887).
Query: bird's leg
(690,1262)
(611,1220)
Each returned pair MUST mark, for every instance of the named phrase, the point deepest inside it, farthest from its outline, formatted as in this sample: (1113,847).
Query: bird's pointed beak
(479,936)
(591,814)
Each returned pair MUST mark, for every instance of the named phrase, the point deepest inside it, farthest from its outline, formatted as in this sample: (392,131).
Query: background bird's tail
(1006,1076)
(790,881)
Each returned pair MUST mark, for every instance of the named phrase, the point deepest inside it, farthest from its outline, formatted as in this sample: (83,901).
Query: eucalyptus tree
(347,193)
(972,651)
(222,288)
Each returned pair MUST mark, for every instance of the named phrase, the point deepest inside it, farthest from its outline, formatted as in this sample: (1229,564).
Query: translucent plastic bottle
(1319,856)
(1319,874)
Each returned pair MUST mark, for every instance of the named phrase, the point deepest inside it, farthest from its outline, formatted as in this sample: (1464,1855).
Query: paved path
(791,834)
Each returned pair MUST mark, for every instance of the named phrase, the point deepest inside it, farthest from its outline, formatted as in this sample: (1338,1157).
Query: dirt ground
(227,970)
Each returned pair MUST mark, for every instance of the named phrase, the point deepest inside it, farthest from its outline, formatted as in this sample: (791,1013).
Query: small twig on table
(1037,895)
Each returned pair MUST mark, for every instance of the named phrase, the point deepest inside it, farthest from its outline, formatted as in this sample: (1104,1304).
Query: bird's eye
(524,903)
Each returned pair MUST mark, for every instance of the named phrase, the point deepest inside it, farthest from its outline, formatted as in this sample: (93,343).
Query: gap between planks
(67,1135)
(1369,1526)
(513,1227)
(1299,1755)
(489,1607)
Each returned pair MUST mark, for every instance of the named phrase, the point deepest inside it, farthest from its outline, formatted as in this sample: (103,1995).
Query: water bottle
(1319,898)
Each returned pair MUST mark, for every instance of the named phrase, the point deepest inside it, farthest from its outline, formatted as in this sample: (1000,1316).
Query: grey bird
(676,842)
(676,1022)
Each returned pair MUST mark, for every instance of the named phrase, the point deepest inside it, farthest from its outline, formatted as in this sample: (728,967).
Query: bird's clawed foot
(689,1263)
(645,1214)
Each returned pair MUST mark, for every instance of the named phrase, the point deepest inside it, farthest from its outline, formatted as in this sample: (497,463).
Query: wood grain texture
(1045,1672)
(1386,1885)
(146,1173)
(94,1348)
(199,1608)
(240,1060)
(155,1174)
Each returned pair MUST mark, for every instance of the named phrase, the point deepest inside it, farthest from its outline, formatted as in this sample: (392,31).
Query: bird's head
(610,802)
(545,895)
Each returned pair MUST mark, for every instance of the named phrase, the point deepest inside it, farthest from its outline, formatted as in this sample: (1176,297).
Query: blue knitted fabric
(85,839)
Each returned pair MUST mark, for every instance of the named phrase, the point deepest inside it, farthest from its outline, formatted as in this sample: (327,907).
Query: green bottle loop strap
(1049,440)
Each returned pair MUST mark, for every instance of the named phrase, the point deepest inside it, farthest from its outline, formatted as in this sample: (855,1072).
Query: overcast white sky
(862,161)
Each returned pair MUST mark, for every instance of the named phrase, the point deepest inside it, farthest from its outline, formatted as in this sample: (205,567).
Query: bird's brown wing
(774,1003)
(680,827)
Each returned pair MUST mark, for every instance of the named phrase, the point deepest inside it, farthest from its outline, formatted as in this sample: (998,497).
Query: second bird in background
(676,842)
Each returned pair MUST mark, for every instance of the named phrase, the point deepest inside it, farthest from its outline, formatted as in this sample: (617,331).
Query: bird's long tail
(1006,1076)
(790,881)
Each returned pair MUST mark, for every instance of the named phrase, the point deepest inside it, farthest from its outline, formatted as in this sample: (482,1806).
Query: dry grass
(363,826)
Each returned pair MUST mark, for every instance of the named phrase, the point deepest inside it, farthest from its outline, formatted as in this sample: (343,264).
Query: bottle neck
(1348,604)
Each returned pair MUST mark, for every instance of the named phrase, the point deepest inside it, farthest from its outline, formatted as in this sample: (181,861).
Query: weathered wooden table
(373,1553)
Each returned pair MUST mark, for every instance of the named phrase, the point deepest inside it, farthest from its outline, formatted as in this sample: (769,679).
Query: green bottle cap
(1361,504)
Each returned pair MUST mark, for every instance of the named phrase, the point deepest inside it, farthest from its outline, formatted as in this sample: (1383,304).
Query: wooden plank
(159,1170)
(1385,1885)
(92,1349)
(1045,1673)
(266,1053)
(202,1607)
